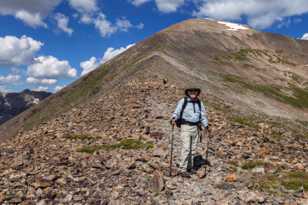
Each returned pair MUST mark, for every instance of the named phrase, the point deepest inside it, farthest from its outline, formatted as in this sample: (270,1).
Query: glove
(172,122)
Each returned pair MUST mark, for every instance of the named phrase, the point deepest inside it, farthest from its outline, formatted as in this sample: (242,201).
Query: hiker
(190,116)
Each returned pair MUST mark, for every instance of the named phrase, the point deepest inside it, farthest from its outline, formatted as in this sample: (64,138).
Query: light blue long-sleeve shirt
(191,112)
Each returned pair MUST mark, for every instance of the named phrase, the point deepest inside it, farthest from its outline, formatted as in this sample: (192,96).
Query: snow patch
(233,26)
(6,103)
(36,101)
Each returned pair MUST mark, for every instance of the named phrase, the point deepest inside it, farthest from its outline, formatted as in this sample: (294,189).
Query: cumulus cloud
(90,13)
(140,26)
(104,26)
(259,14)
(165,6)
(86,19)
(112,52)
(62,22)
(93,63)
(33,20)
(123,24)
(3,90)
(50,67)
(41,88)
(305,36)
(18,51)
(84,6)
(89,65)
(86,9)
(44,81)
(168,6)
(31,12)
(58,88)
(9,79)
(139,2)
(107,28)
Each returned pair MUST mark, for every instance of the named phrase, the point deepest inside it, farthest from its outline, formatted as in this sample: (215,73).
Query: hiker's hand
(206,130)
(172,122)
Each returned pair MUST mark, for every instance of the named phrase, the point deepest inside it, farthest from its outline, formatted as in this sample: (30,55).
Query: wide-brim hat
(198,90)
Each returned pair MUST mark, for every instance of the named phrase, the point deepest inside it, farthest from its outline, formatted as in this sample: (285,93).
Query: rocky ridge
(110,145)
(61,161)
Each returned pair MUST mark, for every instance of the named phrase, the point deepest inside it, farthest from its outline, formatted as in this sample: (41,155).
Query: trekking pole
(171,150)
(190,158)
(207,150)
(200,133)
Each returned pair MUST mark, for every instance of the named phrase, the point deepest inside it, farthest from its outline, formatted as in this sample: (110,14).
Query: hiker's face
(193,94)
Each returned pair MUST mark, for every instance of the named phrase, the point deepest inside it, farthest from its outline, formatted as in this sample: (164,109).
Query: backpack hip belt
(185,122)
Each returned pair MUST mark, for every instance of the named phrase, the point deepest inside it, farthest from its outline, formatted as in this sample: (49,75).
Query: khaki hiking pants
(190,138)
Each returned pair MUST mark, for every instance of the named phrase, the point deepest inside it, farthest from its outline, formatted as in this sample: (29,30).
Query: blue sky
(45,45)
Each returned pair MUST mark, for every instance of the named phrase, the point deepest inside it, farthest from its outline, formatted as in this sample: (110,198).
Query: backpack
(180,121)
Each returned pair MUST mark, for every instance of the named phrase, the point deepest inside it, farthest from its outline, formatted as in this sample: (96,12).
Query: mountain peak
(208,25)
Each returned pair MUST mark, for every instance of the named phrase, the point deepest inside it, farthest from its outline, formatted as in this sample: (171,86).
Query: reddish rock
(231,178)
(158,183)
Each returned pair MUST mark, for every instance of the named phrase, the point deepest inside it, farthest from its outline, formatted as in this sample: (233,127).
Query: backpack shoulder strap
(199,105)
(183,107)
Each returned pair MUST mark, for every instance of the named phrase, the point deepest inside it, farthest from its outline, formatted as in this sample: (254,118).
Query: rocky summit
(105,138)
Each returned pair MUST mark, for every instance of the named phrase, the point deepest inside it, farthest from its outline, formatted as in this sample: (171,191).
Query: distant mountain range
(11,104)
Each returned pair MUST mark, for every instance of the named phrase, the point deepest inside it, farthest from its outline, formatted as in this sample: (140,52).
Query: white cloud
(44,81)
(90,13)
(112,52)
(168,6)
(41,88)
(33,20)
(84,6)
(305,36)
(140,26)
(58,88)
(86,19)
(259,14)
(18,51)
(93,63)
(86,9)
(31,12)
(62,22)
(165,6)
(107,28)
(123,24)
(50,67)
(9,79)
(89,65)
(104,26)
(139,2)
(3,90)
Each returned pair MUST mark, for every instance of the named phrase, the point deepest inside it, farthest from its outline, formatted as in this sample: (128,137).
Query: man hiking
(189,115)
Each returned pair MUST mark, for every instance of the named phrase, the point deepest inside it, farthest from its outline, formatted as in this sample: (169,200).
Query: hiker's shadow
(199,161)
